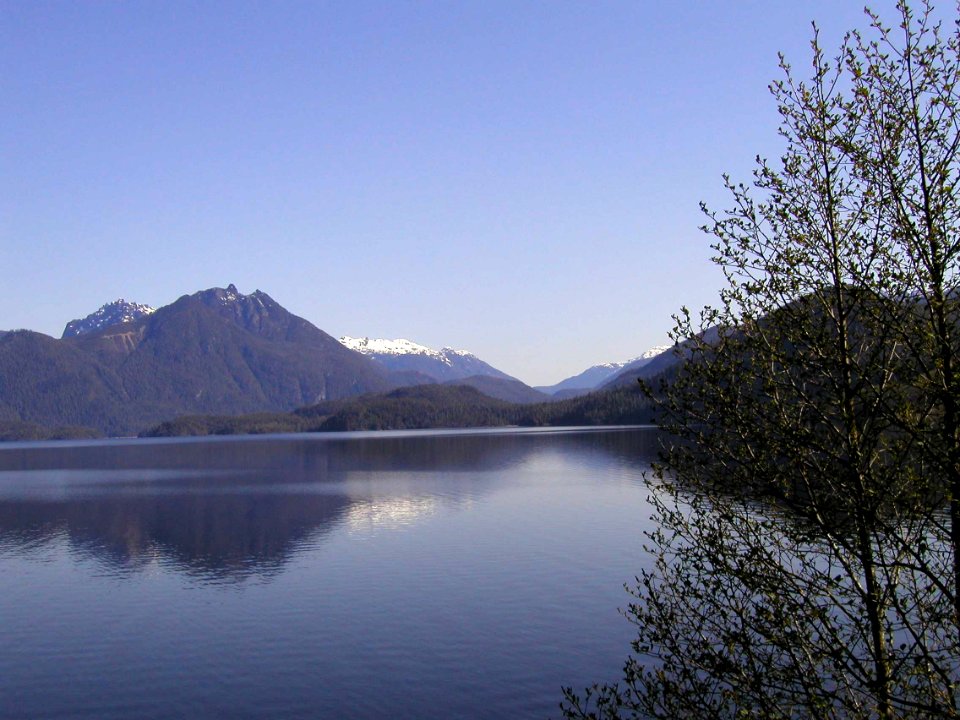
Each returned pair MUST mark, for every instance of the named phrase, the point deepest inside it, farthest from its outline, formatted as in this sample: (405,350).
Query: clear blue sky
(519,179)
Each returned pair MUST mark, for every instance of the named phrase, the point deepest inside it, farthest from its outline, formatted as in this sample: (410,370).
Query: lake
(443,574)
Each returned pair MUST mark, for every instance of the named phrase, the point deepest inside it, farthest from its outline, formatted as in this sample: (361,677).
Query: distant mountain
(217,351)
(512,391)
(414,364)
(442,365)
(597,375)
(119,311)
(646,358)
(662,365)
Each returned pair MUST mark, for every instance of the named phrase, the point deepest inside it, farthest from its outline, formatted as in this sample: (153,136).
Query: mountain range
(447,366)
(597,376)
(442,365)
(214,351)
(127,367)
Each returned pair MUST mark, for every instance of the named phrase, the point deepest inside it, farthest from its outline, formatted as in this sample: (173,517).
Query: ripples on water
(420,575)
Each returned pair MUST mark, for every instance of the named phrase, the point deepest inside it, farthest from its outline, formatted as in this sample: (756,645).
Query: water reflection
(208,535)
(225,510)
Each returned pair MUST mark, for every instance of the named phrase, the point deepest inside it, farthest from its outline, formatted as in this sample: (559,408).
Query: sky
(518,179)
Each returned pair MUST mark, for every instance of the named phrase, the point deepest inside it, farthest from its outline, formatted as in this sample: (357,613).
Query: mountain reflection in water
(228,509)
(404,575)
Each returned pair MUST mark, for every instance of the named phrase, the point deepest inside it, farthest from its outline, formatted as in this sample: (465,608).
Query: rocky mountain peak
(113,313)
(260,314)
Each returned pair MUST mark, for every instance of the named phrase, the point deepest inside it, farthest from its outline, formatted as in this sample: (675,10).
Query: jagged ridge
(114,313)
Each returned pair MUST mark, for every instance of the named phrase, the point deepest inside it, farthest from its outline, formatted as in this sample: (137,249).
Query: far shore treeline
(423,407)
(411,408)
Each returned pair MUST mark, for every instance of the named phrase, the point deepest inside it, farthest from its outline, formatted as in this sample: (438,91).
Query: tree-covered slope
(214,352)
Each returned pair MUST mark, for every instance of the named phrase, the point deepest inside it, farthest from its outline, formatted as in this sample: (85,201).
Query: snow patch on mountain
(231,295)
(442,365)
(114,313)
(594,376)
(648,355)
(401,346)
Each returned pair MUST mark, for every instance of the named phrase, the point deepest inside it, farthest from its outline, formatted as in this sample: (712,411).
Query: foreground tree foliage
(809,493)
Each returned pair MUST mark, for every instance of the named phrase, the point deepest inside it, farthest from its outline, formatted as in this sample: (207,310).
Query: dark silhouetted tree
(807,557)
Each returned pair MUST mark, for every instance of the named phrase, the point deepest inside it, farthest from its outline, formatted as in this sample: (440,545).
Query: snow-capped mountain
(637,362)
(369,346)
(119,311)
(595,376)
(441,365)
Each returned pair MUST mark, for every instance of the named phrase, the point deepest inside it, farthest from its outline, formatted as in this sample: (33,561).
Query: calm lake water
(359,575)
